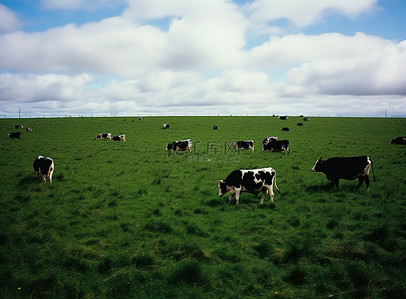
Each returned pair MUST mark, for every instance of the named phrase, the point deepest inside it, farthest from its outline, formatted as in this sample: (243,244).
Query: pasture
(129,220)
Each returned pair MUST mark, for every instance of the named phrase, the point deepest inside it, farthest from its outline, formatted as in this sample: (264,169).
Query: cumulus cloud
(8,20)
(38,88)
(347,65)
(302,13)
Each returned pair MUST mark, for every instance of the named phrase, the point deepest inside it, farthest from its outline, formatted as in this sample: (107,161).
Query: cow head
(318,166)
(169,146)
(222,188)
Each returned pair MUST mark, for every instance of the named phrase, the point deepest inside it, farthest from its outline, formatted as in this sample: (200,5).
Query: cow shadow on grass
(328,187)
(245,204)
(30,179)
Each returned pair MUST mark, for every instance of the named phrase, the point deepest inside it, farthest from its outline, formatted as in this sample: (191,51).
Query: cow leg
(270,191)
(237,195)
(264,193)
(51,171)
(232,194)
(334,182)
(366,179)
(230,198)
(360,181)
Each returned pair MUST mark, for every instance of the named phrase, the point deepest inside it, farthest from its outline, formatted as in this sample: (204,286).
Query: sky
(212,57)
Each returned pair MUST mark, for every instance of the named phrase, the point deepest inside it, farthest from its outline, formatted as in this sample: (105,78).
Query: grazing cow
(215,127)
(244,145)
(251,181)
(269,139)
(306,119)
(15,135)
(398,140)
(118,138)
(18,126)
(300,124)
(179,145)
(285,129)
(104,136)
(277,146)
(28,130)
(283,117)
(140,117)
(44,166)
(348,168)
(165,126)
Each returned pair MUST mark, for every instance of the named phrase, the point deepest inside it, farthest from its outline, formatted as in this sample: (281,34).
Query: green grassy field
(127,220)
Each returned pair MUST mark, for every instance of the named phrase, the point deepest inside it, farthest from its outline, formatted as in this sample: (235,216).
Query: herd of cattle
(247,180)
(109,136)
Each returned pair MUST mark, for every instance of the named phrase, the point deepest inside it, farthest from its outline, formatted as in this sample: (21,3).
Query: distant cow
(244,145)
(300,124)
(180,145)
(140,117)
(283,117)
(277,146)
(285,129)
(251,181)
(348,168)
(165,126)
(15,135)
(398,140)
(18,126)
(28,130)
(215,127)
(306,119)
(44,166)
(268,139)
(104,136)
(118,138)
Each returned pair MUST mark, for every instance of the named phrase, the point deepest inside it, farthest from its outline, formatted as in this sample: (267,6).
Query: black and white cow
(165,126)
(215,127)
(277,146)
(179,145)
(306,119)
(268,139)
(104,136)
(244,145)
(44,166)
(18,126)
(251,181)
(300,124)
(119,138)
(29,129)
(348,168)
(285,129)
(398,140)
(283,117)
(15,135)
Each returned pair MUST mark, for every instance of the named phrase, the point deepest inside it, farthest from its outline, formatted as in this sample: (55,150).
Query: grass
(128,220)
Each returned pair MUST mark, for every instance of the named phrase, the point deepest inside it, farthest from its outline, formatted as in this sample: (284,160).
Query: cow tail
(274,181)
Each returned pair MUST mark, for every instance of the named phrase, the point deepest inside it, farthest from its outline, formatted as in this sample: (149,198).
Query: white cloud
(303,13)
(346,65)
(8,20)
(39,88)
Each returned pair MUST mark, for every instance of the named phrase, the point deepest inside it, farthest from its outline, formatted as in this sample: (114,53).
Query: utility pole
(19,112)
